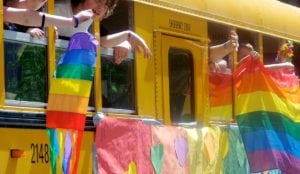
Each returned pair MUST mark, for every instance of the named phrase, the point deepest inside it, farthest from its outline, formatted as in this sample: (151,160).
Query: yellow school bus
(170,88)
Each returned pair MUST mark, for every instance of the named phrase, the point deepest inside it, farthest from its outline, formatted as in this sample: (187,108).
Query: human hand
(84,15)
(233,40)
(255,55)
(121,52)
(56,32)
(36,33)
(137,43)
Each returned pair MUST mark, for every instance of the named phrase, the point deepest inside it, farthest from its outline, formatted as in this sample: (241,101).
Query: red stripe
(78,148)
(65,120)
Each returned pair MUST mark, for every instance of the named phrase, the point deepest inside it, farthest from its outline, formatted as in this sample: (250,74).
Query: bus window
(181,85)
(117,82)
(25,70)
(118,87)
(296,58)
(270,45)
(248,37)
(218,34)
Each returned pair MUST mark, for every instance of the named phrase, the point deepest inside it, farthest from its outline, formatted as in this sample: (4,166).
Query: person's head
(101,8)
(27,4)
(244,50)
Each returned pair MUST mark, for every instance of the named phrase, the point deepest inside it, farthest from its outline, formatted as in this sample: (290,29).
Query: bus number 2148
(40,153)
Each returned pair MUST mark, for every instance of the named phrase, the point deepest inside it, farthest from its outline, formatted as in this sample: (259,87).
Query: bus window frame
(23,38)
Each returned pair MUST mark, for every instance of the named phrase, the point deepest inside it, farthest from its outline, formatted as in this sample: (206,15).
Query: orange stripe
(67,103)
(261,82)
(65,120)
(220,89)
(220,97)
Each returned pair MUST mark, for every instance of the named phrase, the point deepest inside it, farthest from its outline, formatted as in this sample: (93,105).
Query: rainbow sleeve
(68,99)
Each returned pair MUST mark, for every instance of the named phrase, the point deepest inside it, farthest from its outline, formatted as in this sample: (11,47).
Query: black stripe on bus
(32,120)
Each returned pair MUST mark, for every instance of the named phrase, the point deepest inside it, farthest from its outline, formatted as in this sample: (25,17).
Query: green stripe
(81,72)
(263,120)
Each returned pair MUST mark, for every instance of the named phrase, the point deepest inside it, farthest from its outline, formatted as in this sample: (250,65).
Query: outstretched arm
(279,66)
(217,52)
(34,18)
(136,42)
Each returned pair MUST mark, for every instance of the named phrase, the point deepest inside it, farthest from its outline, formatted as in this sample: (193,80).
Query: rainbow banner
(220,96)
(68,100)
(267,106)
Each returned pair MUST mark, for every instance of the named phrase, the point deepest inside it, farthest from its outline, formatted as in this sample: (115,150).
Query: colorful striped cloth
(220,96)
(68,99)
(267,107)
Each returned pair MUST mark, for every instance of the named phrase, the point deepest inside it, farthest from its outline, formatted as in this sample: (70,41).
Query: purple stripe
(273,159)
(83,40)
(68,153)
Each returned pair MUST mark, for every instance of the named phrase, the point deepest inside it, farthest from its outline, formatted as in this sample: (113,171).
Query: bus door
(183,78)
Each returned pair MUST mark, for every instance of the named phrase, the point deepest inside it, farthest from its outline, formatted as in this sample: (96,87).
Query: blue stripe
(269,139)
(82,57)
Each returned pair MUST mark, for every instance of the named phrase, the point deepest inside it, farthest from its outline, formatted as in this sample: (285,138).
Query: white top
(63,8)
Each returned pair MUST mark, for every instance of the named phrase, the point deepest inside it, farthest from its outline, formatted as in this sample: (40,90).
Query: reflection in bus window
(25,72)
(117,83)
(181,85)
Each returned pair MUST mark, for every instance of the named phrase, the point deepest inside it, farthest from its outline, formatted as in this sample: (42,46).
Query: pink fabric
(167,135)
(284,77)
(121,141)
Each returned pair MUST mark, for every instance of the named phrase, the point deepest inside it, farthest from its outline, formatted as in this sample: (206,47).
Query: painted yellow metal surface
(145,95)
(266,16)
(36,159)
(97,79)
(51,45)
(2,84)
(151,93)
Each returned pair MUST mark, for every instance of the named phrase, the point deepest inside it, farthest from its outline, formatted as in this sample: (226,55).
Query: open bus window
(117,82)
(270,45)
(118,87)
(218,34)
(181,85)
(25,70)
(248,37)
(296,58)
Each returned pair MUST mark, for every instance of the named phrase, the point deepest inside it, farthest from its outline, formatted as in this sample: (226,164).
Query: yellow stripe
(221,113)
(68,103)
(267,101)
(61,136)
(71,87)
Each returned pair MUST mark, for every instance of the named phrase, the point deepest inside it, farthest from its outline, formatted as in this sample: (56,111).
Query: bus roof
(270,17)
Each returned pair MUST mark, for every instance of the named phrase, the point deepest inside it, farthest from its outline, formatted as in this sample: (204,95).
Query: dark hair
(75,3)
(111,4)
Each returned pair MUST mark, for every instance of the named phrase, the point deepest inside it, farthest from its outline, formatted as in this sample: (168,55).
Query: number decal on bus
(40,153)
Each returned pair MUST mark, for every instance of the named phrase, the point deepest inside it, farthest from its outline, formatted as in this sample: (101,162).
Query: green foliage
(28,82)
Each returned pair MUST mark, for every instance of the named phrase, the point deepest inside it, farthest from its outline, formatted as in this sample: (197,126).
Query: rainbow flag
(267,108)
(220,96)
(68,100)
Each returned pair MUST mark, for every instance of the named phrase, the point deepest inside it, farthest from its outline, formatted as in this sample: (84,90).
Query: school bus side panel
(143,25)
(36,156)
(150,26)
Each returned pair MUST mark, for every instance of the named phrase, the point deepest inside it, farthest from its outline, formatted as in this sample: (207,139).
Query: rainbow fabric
(267,106)
(220,96)
(68,100)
